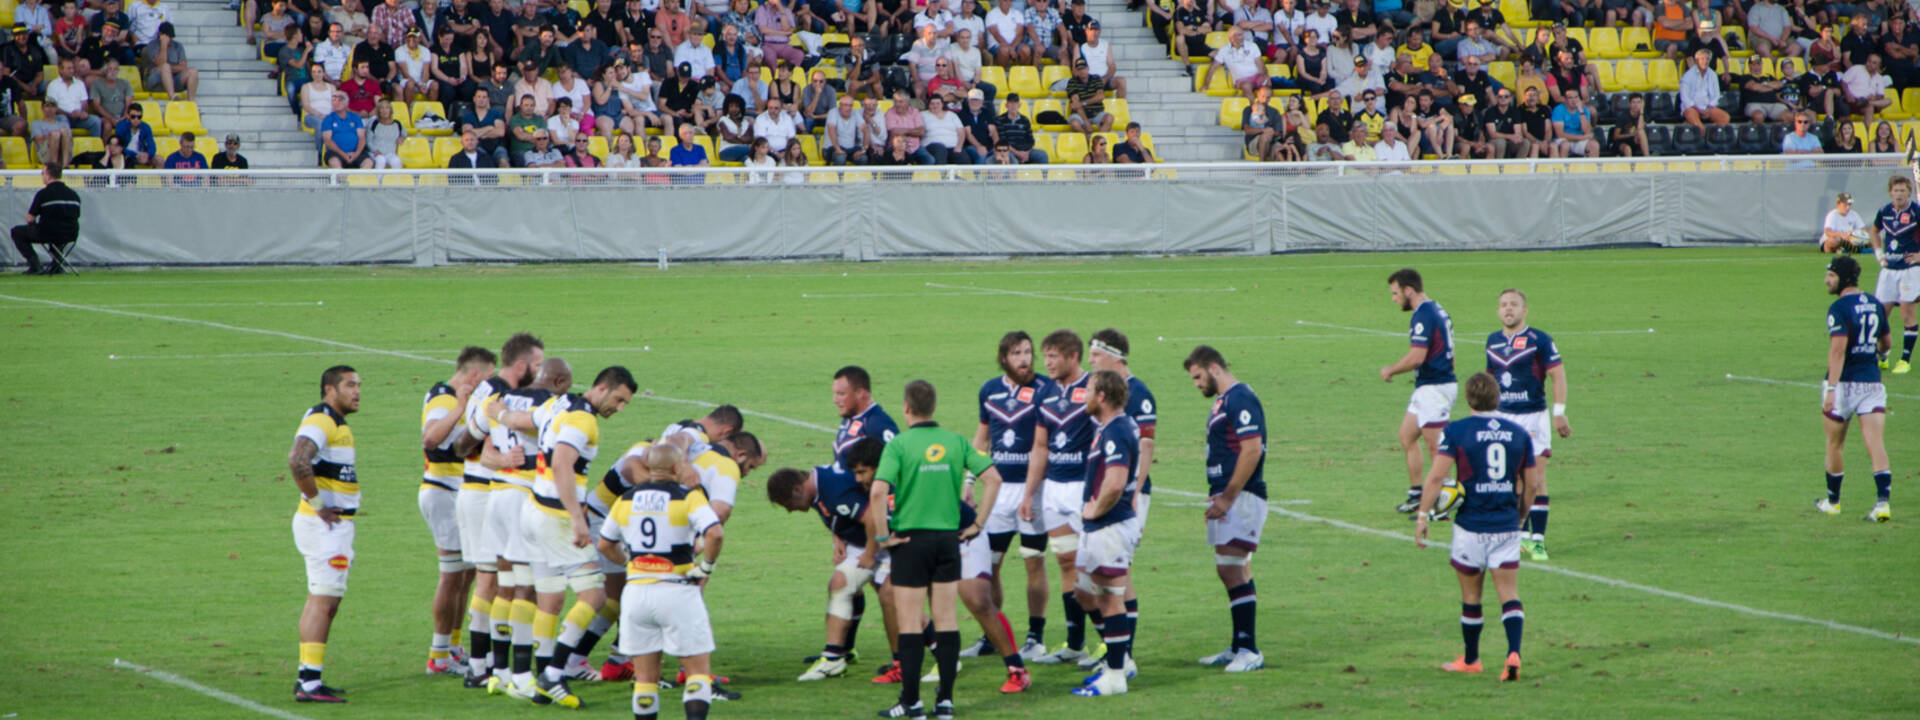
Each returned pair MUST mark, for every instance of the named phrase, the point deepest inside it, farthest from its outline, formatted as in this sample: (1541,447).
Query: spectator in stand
(624,155)
(817,100)
(730,55)
(708,105)
(897,153)
(362,90)
(344,135)
(757,159)
(945,84)
(1672,21)
(1310,66)
(147,17)
(851,15)
(1858,43)
(1471,138)
(976,116)
(499,87)
(543,154)
(1016,131)
(1573,128)
(1363,24)
(904,121)
(934,15)
(488,126)
(775,21)
(1086,101)
(1536,120)
(229,158)
(1324,149)
(1242,61)
(1191,23)
(185,158)
(316,99)
(1391,147)
(1133,149)
(428,18)
(967,61)
(1253,18)
(332,54)
(68,94)
(1363,81)
(52,135)
(521,128)
(1899,45)
(414,79)
(1843,142)
(638,103)
(576,89)
(736,131)
(874,126)
(383,137)
(471,155)
(942,133)
(352,16)
(1002,155)
(846,136)
(137,137)
(1004,36)
(1476,45)
(295,65)
(530,84)
(1356,148)
(452,70)
(1801,141)
(1102,61)
(680,96)
(1700,94)
(26,59)
(1260,124)
(166,67)
(1506,130)
(111,44)
(110,11)
(1629,137)
(109,95)
(1883,139)
(69,30)
(391,22)
(1097,154)
(1866,88)
(1284,38)
(1437,133)
(686,153)
(1771,29)
(925,57)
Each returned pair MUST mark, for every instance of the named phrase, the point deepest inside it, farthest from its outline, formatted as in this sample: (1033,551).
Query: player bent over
(1896,244)
(1237,504)
(444,441)
(1523,358)
(1494,455)
(1857,324)
(839,492)
(1431,357)
(1111,528)
(321,462)
(652,530)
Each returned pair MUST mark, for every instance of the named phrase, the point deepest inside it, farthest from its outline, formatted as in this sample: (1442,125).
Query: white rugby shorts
(1473,552)
(1005,517)
(1242,524)
(503,522)
(550,542)
(1141,503)
(976,558)
(1432,405)
(1539,427)
(664,617)
(470,509)
(1108,551)
(882,568)
(328,552)
(1897,286)
(437,507)
(1851,399)
(1060,504)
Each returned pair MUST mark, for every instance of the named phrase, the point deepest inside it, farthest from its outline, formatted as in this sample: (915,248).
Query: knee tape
(585,582)
(1230,560)
(1085,584)
(1110,589)
(487,567)
(550,585)
(333,591)
(1063,544)
(840,602)
(522,576)
(1033,546)
(451,565)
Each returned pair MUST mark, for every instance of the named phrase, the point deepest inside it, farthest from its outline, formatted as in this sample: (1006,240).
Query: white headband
(1108,349)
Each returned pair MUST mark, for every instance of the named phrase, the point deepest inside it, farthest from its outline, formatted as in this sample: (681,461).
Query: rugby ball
(1449,500)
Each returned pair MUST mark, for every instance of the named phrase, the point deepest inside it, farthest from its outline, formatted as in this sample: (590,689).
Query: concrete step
(265,159)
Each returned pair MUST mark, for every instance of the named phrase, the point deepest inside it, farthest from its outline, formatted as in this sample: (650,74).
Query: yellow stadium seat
(401,114)
(362,179)
(1897,110)
(88,144)
(706,143)
(766,75)
(1553,168)
(1072,149)
(1230,109)
(35,111)
(1221,86)
(32,181)
(1663,75)
(444,148)
(856,176)
(928,176)
(580,6)
(823,176)
(1618,167)
(1025,82)
(1503,71)
(1583,168)
(1146,140)
(1122,113)
(1046,103)
(1518,13)
(419,109)
(1478,169)
(1029,174)
(996,76)
(1055,75)
(433,181)
(1737,66)
(1059,175)
(1451,170)
(837,39)
(131,74)
(1603,74)
(1909,130)
(1516,169)
(1632,75)
(1044,143)
(1637,42)
(1604,43)
(13,151)
(1216,39)
(184,116)
(1276,70)
(1683,166)
(1860,131)
(1735,31)
(597,146)
(1579,35)
(810,146)
(416,153)
(165,145)
(1645,167)
(722,178)
(1799,64)
(394,179)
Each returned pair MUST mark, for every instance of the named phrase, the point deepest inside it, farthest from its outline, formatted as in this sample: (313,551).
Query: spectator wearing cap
(846,136)
(229,158)
(977,117)
(1103,61)
(147,17)
(69,95)
(1016,131)
(543,154)
(1086,101)
(680,96)
(532,84)
(111,11)
(1470,138)
(1700,94)
(110,43)
(414,63)
(1133,149)
(1363,81)
(391,22)
(344,136)
(26,59)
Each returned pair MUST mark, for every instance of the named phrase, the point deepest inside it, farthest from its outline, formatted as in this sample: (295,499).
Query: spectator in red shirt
(363,91)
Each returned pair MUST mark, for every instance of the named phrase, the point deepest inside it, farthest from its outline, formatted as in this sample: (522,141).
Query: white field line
(732,272)
(1771,381)
(1611,582)
(449,352)
(1383,333)
(221,695)
(982,290)
(1369,331)
(315,303)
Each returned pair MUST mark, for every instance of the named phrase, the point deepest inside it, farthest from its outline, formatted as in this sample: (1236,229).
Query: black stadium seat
(1753,140)
(1721,140)
(1662,108)
(1687,140)
(1659,139)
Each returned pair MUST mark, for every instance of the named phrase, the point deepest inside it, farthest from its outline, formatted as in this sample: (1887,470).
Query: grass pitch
(147,506)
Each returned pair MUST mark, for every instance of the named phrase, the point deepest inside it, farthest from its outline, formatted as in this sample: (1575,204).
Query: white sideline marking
(316,303)
(1269,502)
(221,695)
(452,351)
(983,291)
(1771,381)
(1369,331)
(1829,624)
(1648,331)
(222,326)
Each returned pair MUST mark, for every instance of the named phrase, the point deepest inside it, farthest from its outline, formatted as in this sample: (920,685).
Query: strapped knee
(487,567)
(586,581)
(1063,544)
(997,545)
(550,585)
(1110,589)
(522,575)
(1084,583)
(450,564)
(1230,560)
(332,591)
(1033,546)
(840,602)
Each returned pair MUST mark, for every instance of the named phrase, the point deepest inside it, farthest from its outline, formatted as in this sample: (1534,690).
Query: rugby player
(493,591)
(860,415)
(1897,247)
(1434,388)
(725,420)
(928,466)
(1857,326)
(321,462)
(1056,469)
(1486,529)
(1009,409)
(1523,358)
(651,530)
(444,442)
(839,492)
(1107,350)
(1237,497)
(514,454)
(1112,525)
(718,471)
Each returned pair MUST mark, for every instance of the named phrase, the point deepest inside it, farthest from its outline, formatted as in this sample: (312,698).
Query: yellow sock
(581,615)
(502,611)
(313,655)
(546,625)
(481,605)
(611,610)
(524,610)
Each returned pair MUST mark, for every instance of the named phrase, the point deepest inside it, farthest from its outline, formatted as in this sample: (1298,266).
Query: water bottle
(663,258)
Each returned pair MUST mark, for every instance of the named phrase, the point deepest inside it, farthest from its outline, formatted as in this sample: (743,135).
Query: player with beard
(1009,409)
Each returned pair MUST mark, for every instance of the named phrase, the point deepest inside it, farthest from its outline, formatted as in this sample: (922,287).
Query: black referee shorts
(927,557)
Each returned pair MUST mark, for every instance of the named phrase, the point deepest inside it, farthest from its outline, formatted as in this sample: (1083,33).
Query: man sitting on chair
(53,220)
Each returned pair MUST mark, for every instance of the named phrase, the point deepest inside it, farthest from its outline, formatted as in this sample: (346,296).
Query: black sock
(1906,347)
(913,650)
(1097,621)
(946,656)
(853,626)
(1118,634)
(522,659)
(588,642)
(1470,624)
(1413,493)
(1133,623)
(1515,618)
(1537,516)
(1833,487)
(833,652)
(1242,604)
(478,644)
(1037,628)
(502,642)
(1883,484)
(1076,621)
(928,636)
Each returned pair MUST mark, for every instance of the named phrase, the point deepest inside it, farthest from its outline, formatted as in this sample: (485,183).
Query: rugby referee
(921,476)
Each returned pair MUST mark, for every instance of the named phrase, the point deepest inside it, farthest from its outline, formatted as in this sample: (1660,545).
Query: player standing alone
(1486,530)
(322,465)
(1857,324)
(1897,247)
(1237,497)
(1433,385)
(1522,358)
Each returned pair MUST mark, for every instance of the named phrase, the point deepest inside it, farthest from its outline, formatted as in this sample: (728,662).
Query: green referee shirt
(927,468)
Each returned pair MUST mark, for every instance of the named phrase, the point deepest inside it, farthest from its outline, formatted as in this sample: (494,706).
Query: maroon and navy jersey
(841,502)
(1009,412)
(1521,363)
(1489,456)
(1897,233)
(1069,430)
(1115,444)
(1236,419)
(871,422)
(1140,407)
(1432,328)
(1862,320)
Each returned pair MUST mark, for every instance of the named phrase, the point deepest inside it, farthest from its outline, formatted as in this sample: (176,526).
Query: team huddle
(1058,465)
